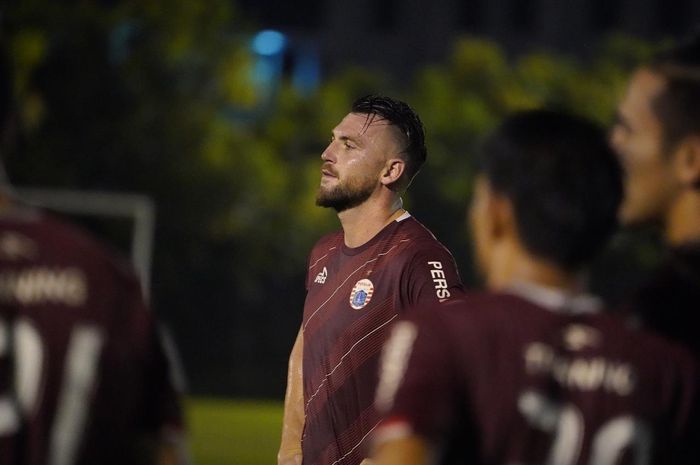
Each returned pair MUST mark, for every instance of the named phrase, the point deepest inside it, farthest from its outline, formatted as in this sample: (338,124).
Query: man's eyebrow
(345,137)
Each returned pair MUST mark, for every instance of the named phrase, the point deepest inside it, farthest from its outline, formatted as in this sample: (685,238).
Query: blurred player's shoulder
(473,305)
(47,262)
(36,233)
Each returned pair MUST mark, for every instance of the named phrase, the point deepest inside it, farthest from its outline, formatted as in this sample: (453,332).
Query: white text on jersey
(321,277)
(440,280)
(40,285)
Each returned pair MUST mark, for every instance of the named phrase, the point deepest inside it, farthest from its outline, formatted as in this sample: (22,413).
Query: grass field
(234,432)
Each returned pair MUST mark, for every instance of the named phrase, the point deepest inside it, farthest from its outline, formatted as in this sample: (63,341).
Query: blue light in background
(306,75)
(269,43)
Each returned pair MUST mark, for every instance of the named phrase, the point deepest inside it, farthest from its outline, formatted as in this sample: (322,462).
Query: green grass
(234,432)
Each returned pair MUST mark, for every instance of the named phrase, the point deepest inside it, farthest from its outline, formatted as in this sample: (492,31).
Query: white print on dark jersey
(321,277)
(439,280)
(44,285)
(582,373)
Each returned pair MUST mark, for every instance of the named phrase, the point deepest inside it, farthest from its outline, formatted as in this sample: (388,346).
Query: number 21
(80,369)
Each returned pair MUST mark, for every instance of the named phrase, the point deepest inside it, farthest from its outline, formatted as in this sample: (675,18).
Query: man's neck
(683,220)
(514,265)
(362,223)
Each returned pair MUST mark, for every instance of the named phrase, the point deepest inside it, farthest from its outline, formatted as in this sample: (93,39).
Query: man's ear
(392,171)
(687,161)
(501,220)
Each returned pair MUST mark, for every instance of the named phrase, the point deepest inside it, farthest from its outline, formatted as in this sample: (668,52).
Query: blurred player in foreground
(657,136)
(531,372)
(83,377)
(359,280)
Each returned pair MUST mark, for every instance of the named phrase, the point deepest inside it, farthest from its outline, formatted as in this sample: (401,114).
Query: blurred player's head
(549,183)
(378,147)
(657,135)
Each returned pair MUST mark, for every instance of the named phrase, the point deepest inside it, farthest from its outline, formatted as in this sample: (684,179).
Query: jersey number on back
(565,423)
(22,341)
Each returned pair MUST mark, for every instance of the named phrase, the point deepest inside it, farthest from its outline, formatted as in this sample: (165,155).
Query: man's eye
(348,145)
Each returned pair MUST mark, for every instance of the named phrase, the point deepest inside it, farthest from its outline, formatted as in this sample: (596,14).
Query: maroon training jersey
(82,373)
(498,379)
(354,295)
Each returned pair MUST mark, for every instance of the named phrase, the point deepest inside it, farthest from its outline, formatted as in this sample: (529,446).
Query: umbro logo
(321,277)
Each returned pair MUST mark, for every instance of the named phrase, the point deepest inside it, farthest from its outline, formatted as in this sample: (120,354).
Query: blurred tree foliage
(137,95)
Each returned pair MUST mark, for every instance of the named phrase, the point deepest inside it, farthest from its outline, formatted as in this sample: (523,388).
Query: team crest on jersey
(361,293)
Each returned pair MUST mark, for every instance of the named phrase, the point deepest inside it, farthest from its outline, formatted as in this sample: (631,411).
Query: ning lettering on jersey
(84,378)
(44,285)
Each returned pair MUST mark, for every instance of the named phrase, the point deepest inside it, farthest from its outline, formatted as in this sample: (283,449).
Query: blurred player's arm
(293,421)
(161,420)
(416,382)
(411,450)
(169,454)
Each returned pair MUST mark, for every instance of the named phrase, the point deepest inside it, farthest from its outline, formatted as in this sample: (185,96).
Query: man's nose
(327,154)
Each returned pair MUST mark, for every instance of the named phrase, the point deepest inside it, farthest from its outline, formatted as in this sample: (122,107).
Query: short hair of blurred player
(562,213)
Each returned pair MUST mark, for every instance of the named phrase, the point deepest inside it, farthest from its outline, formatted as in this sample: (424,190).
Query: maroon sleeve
(159,408)
(136,398)
(431,276)
(417,387)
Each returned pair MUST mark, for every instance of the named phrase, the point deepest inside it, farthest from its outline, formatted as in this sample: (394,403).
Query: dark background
(172,100)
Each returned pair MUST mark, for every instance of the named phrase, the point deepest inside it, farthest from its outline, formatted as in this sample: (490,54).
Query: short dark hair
(563,180)
(406,120)
(678,106)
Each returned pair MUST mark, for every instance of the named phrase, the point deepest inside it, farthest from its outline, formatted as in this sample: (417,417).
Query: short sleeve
(416,390)
(157,398)
(431,276)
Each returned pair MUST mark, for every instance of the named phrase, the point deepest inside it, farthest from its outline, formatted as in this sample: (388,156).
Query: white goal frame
(139,208)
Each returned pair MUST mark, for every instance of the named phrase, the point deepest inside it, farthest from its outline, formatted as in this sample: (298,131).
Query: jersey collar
(555,299)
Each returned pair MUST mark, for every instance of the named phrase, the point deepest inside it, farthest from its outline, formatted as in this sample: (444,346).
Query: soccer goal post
(138,208)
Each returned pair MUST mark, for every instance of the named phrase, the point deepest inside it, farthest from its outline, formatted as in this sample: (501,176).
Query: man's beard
(343,197)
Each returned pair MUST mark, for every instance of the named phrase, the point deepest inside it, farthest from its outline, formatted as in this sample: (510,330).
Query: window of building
(604,15)
(674,19)
(470,15)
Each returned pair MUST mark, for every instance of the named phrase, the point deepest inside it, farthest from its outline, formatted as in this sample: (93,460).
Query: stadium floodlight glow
(269,42)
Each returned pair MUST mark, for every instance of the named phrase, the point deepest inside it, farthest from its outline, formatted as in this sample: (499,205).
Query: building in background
(399,35)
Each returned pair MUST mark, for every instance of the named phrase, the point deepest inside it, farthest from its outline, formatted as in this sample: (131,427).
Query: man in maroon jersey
(531,372)
(83,377)
(359,280)
(657,136)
